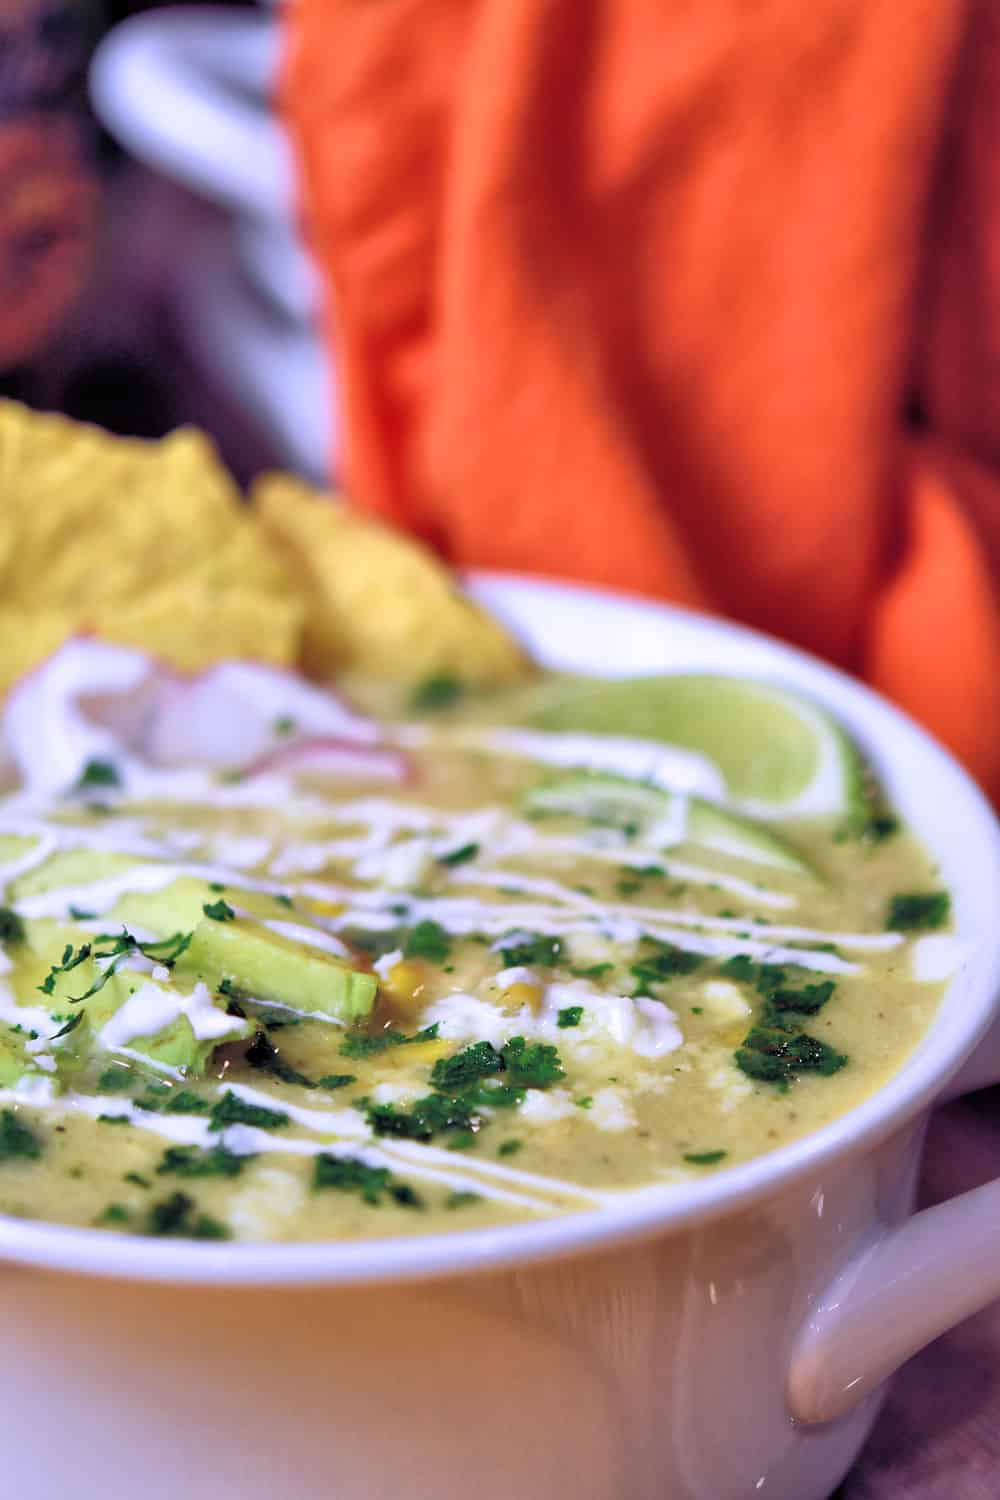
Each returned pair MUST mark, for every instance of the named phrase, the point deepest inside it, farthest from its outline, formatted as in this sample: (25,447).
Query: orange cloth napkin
(695,300)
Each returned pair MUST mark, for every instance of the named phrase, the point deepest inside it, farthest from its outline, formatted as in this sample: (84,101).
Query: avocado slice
(173,1045)
(71,867)
(269,966)
(13,1062)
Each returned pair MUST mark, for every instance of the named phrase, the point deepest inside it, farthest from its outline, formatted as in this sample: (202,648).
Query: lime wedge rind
(775,754)
(664,818)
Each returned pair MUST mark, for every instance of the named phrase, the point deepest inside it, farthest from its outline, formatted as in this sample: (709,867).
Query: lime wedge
(663,818)
(780,756)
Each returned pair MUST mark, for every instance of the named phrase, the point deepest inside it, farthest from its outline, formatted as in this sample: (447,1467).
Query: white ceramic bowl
(708,1342)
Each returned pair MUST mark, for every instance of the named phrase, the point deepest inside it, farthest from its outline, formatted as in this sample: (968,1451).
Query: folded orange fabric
(635,291)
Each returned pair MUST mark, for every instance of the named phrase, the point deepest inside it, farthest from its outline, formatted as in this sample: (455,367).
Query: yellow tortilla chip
(142,542)
(378,602)
(236,623)
(27,637)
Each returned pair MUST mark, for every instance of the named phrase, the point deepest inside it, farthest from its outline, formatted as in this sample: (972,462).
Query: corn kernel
(523,994)
(325,908)
(406,980)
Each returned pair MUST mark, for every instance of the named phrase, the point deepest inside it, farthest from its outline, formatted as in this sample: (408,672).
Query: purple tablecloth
(939,1434)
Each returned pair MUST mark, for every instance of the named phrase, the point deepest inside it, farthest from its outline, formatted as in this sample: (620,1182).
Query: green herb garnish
(16,1140)
(570,1015)
(219,911)
(916,909)
(704,1158)
(459,856)
(428,940)
(532,1066)
(665,962)
(176,1216)
(191,1161)
(231,1110)
(437,692)
(477,1061)
(530,948)
(370,1046)
(348,1174)
(98,773)
(11,926)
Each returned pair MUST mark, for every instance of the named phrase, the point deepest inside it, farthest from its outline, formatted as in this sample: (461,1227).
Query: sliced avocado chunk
(13,1061)
(271,967)
(71,867)
(173,1045)
(617,802)
(179,906)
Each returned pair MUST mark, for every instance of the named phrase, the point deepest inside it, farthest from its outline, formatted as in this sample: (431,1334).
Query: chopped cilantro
(70,959)
(231,1110)
(570,1015)
(187,1102)
(776,1051)
(113,1120)
(428,940)
(337,1080)
(704,1158)
(191,1161)
(98,773)
(459,856)
(219,911)
(807,1000)
(79,914)
(530,948)
(71,1025)
(916,909)
(115,1213)
(740,966)
(461,1199)
(349,1174)
(284,724)
(585,1102)
(666,961)
(11,926)
(424,1118)
(531,1066)
(369,1046)
(591,971)
(207,1228)
(437,692)
(262,1053)
(16,1139)
(509,1148)
(477,1061)
(176,1216)
(113,1080)
(137,1179)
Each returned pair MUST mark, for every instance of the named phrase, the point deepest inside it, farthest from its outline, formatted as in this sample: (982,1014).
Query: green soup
(309,1006)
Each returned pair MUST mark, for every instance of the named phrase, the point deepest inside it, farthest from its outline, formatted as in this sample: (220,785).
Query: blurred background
(150,273)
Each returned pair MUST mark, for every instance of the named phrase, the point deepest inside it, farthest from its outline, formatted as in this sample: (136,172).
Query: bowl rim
(970,1003)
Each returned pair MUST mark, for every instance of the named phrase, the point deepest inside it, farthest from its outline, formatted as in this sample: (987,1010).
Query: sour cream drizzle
(344,1133)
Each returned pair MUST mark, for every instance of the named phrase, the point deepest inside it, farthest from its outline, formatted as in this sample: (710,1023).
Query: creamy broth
(564,1007)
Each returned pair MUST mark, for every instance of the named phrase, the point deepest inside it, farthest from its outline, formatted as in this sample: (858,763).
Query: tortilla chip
(27,637)
(142,542)
(377,602)
(237,623)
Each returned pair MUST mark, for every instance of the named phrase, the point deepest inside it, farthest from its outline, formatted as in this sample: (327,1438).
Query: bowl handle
(915,1282)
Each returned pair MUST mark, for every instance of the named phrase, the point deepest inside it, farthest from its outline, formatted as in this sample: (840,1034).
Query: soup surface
(452,978)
